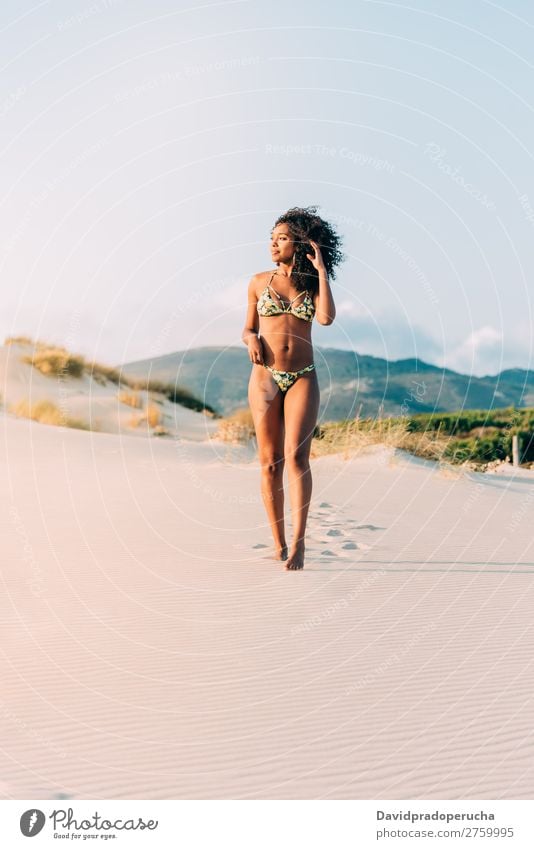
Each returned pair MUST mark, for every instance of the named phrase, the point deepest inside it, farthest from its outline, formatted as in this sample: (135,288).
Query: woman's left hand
(317,260)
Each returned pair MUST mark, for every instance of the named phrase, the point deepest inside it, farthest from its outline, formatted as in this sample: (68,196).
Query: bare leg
(267,408)
(300,415)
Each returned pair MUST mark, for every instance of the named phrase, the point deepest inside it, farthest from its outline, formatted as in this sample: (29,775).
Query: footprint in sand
(329,526)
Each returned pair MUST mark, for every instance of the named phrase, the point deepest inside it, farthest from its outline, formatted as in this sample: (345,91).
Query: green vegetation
(180,395)
(480,436)
(476,438)
(462,423)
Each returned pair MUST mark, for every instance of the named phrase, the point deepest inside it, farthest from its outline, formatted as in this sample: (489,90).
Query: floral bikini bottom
(285,379)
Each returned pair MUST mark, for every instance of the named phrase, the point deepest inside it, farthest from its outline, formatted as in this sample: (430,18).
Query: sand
(152,649)
(97,405)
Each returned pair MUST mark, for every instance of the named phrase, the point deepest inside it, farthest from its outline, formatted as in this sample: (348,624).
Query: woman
(283,391)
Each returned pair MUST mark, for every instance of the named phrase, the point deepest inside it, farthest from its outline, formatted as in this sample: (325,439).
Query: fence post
(515,449)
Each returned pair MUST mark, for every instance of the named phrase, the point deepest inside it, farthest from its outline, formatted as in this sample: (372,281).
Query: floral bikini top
(268,306)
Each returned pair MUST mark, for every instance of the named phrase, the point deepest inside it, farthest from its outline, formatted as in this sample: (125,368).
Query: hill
(349,382)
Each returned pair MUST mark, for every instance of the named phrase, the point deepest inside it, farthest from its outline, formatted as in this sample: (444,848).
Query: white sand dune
(152,649)
(95,404)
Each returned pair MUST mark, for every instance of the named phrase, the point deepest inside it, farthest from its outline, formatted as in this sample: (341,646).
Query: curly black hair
(304,224)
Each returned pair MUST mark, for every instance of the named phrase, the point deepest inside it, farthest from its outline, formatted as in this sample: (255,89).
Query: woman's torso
(286,337)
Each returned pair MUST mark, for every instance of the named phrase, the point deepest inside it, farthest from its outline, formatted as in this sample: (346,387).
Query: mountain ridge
(349,382)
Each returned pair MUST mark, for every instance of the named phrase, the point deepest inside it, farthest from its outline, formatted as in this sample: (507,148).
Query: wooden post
(515,449)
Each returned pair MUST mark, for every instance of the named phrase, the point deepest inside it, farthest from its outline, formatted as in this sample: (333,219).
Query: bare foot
(280,552)
(296,558)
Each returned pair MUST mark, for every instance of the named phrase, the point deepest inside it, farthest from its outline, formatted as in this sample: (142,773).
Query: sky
(147,148)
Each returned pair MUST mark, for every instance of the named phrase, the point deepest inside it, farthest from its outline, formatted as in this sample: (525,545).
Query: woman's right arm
(252,323)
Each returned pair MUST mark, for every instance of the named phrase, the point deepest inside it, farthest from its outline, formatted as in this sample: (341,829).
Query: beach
(153,649)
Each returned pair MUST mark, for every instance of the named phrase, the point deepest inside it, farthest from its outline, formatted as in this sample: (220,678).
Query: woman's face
(282,245)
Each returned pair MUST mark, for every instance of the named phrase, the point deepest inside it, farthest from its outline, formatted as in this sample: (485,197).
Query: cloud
(486,351)
(480,351)
(379,334)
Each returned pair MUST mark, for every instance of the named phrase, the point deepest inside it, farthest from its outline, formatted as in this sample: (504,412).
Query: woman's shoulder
(259,281)
(264,275)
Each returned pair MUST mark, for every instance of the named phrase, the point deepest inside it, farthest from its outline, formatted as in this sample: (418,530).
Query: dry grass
(54,360)
(151,417)
(132,399)
(159,430)
(353,436)
(18,340)
(238,427)
(346,438)
(46,412)
(153,385)
(102,374)
(430,446)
